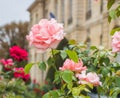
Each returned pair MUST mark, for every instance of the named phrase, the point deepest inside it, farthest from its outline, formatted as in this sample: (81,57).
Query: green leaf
(28,67)
(90,85)
(109,19)
(112,14)
(114,92)
(51,94)
(110,3)
(67,76)
(42,66)
(93,47)
(54,94)
(105,61)
(72,55)
(117,81)
(70,85)
(81,96)
(105,71)
(75,91)
(50,61)
(2,86)
(72,42)
(57,77)
(114,30)
(47,95)
(55,51)
(63,54)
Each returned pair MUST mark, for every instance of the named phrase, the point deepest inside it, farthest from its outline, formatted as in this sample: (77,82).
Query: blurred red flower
(19,73)
(18,53)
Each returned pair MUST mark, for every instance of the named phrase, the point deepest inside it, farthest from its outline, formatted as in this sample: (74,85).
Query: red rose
(18,53)
(19,73)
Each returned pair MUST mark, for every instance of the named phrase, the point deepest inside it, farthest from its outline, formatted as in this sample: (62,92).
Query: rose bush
(14,82)
(84,69)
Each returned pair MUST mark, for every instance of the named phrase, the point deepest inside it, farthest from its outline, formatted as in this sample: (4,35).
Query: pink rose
(93,78)
(46,34)
(71,65)
(8,63)
(88,78)
(116,42)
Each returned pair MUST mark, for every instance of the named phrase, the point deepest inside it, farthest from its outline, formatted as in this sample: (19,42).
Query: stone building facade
(84,21)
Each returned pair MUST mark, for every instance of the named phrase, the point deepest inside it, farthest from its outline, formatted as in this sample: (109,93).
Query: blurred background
(84,20)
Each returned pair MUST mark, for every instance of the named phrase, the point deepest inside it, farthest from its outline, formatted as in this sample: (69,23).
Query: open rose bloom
(116,42)
(46,34)
(90,77)
(71,65)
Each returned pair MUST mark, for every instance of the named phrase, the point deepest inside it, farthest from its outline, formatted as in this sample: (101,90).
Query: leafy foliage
(113,13)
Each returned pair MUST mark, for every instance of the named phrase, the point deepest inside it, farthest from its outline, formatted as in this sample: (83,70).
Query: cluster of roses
(18,54)
(47,34)
(80,72)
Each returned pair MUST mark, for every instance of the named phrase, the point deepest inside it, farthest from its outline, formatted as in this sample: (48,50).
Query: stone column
(74,15)
(59,16)
(52,6)
(80,11)
(66,12)
(32,60)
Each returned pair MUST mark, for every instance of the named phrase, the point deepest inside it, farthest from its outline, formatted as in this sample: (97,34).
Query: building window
(88,9)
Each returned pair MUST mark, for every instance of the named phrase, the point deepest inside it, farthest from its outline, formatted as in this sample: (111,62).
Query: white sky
(14,10)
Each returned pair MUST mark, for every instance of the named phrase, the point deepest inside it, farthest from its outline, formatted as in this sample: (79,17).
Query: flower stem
(54,60)
(98,93)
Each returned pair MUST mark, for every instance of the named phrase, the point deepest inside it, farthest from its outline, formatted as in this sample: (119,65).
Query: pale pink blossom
(71,65)
(93,78)
(46,34)
(90,77)
(116,42)
(7,63)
